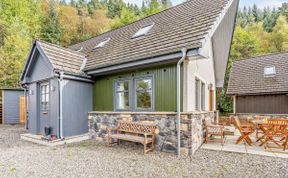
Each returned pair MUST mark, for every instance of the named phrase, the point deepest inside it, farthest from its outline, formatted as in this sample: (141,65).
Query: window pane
(122,100)
(145,84)
(47,89)
(123,86)
(203,97)
(197,91)
(144,100)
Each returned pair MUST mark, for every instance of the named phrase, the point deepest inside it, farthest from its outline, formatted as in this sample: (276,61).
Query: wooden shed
(12,106)
(260,85)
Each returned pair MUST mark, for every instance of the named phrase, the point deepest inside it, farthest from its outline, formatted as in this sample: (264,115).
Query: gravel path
(91,159)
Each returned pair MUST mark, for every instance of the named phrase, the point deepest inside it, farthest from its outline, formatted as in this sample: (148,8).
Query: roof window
(79,49)
(143,31)
(269,71)
(102,43)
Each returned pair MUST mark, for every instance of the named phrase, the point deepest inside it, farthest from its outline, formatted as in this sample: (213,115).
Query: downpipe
(60,80)
(184,55)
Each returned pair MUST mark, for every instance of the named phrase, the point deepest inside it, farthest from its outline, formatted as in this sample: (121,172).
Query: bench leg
(109,139)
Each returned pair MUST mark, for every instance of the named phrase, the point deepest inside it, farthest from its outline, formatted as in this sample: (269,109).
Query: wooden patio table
(273,128)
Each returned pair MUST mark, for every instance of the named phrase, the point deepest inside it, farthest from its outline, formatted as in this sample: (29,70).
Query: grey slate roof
(247,76)
(63,59)
(181,26)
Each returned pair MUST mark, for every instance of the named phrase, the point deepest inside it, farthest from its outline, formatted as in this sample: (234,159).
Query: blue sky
(260,3)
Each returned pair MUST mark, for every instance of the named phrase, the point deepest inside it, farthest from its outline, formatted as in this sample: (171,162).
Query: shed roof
(63,59)
(182,26)
(247,76)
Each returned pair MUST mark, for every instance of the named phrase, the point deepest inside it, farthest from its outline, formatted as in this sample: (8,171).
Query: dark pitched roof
(63,59)
(247,76)
(181,26)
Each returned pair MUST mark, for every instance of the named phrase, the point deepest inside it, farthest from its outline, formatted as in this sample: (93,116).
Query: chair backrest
(237,122)
(136,127)
(278,121)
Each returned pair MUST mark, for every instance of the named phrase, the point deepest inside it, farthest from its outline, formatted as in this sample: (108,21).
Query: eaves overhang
(164,59)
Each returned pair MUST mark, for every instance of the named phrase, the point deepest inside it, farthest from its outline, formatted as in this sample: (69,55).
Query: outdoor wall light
(52,88)
(31,92)
(210,86)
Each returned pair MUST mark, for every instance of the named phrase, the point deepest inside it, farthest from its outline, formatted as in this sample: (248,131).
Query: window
(122,95)
(269,71)
(134,94)
(143,31)
(102,44)
(143,93)
(197,94)
(203,96)
(44,96)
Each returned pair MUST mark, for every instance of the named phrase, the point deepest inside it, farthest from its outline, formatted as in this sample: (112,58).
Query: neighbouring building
(12,106)
(131,74)
(259,85)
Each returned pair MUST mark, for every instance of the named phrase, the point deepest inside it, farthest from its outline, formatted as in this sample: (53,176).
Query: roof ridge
(170,8)
(258,56)
(60,47)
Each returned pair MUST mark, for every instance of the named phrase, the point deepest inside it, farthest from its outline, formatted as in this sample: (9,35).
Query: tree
(284,10)
(19,23)
(244,45)
(69,20)
(51,32)
(279,36)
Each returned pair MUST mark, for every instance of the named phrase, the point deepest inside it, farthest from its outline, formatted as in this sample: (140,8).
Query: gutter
(184,55)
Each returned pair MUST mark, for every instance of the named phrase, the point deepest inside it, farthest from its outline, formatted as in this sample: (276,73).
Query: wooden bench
(134,132)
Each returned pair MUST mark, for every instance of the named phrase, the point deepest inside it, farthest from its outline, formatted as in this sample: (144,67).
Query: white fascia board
(204,51)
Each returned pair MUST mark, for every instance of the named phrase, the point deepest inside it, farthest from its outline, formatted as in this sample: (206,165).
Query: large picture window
(134,94)
(122,95)
(143,93)
(44,96)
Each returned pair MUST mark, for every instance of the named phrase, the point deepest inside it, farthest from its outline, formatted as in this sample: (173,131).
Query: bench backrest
(135,127)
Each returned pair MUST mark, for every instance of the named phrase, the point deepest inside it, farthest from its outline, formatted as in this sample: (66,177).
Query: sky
(260,3)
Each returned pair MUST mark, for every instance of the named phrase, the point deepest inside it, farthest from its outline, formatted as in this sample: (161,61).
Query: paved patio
(231,146)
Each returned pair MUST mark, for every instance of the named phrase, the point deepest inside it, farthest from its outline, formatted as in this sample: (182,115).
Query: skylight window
(143,31)
(79,49)
(268,71)
(102,43)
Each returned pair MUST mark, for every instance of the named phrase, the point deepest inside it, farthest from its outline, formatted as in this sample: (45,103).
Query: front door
(44,97)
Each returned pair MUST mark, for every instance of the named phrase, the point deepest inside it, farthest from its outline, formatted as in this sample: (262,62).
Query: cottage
(12,106)
(59,91)
(152,70)
(259,85)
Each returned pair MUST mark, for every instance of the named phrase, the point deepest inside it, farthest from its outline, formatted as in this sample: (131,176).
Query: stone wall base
(192,129)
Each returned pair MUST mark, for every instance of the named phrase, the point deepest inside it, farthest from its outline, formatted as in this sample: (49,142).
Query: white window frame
(143,31)
(269,71)
(203,96)
(133,93)
(102,43)
(116,92)
(197,94)
(46,94)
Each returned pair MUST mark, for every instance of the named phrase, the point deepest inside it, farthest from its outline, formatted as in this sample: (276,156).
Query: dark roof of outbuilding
(63,59)
(181,26)
(247,76)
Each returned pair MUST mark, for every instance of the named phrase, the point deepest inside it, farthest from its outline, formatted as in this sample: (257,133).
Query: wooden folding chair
(245,131)
(214,130)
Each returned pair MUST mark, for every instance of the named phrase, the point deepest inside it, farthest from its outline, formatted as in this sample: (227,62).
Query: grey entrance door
(44,119)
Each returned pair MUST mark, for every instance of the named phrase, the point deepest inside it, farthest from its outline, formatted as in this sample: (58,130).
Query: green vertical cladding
(164,88)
